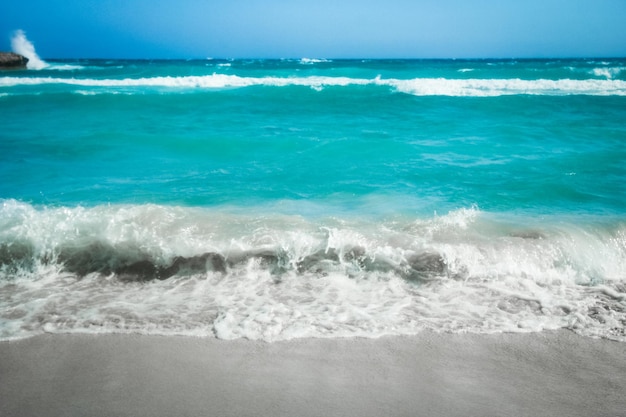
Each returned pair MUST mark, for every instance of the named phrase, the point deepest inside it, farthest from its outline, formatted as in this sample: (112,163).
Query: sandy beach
(544,374)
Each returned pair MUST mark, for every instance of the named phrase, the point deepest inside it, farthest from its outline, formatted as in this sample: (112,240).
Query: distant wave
(65,67)
(608,72)
(415,86)
(310,61)
(500,87)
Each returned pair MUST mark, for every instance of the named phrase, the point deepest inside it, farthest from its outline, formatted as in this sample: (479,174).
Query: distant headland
(11,60)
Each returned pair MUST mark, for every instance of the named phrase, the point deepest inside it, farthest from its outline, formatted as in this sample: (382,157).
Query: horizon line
(520,58)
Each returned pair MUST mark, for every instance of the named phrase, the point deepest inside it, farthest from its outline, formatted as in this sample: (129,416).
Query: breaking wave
(608,72)
(209,272)
(21,45)
(416,86)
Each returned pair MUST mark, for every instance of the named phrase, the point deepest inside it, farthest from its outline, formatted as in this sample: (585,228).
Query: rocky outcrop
(10,60)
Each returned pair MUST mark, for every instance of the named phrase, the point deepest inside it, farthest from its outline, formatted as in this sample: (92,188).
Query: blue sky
(318,28)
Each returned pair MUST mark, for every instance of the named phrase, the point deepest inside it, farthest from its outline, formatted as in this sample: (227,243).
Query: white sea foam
(416,86)
(21,45)
(608,72)
(275,277)
(310,61)
(65,67)
(500,87)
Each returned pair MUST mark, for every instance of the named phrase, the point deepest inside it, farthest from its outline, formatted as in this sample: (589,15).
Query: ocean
(282,199)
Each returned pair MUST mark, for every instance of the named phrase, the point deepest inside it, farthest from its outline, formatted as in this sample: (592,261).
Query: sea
(273,199)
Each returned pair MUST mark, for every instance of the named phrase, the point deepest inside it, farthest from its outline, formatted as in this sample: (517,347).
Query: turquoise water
(179,143)
(498,185)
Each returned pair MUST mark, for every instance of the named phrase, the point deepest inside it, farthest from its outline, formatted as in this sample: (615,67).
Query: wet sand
(539,374)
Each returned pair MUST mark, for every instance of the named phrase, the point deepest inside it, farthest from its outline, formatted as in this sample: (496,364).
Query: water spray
(21,45)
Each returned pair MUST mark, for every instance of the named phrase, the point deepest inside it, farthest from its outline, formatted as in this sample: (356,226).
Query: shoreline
(431,374)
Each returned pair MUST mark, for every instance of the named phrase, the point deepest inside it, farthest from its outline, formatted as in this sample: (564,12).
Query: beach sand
(540,374)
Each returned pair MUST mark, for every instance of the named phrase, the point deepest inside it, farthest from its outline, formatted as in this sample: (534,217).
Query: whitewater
(282,199)
(419,87)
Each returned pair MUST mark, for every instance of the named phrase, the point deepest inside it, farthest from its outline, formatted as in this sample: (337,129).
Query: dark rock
(10,60)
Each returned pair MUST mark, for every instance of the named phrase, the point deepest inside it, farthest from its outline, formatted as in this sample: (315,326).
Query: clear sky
(318,28)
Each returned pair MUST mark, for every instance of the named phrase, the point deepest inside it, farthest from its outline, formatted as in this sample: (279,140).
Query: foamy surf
(208,272)
(417,86)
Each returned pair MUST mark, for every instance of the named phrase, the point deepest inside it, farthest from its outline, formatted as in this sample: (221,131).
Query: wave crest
(416,86)
(206,272)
